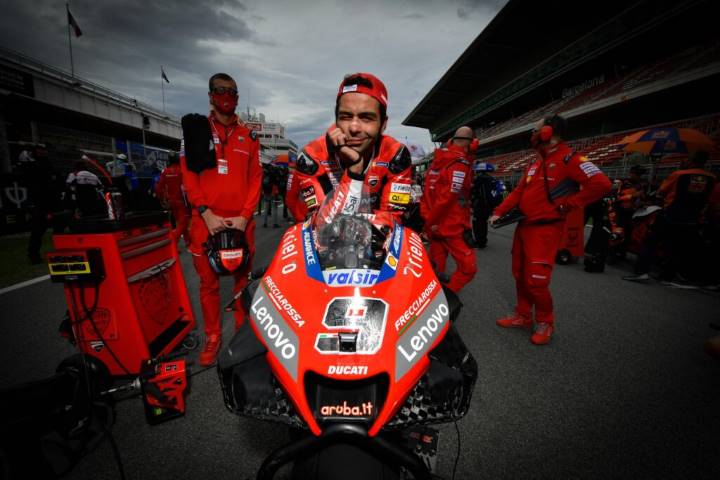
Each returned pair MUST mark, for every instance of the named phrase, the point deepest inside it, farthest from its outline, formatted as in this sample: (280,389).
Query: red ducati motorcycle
(349,342)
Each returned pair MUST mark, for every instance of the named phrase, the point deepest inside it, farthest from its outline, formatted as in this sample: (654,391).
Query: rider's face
(359,119)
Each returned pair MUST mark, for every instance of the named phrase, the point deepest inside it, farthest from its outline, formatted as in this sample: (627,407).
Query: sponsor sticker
(400,188)
(281,302)
(421,335)
(416,308)
(365,409)
(351,277)
(349,88)
(400,198)
(347,370)
(280,339)
(589,168)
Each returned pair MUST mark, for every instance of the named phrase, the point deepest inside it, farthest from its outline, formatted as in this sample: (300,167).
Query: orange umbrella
(666,140)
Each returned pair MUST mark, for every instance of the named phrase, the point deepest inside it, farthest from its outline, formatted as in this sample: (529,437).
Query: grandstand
(623,67)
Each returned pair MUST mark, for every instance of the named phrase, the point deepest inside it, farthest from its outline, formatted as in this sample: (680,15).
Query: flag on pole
(162,73)
(73,23)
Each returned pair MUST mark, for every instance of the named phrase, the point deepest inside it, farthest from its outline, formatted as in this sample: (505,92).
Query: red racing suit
(230,189)
(169,190)
(537,237)
(297,207)
(445,204)
(386,182)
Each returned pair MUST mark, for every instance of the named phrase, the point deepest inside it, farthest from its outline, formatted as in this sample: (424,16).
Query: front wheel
(343,462)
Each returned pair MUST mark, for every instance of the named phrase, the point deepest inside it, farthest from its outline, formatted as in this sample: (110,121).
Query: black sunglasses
(224,90)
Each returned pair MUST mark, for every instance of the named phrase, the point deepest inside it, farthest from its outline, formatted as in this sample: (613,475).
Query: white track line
(26,283)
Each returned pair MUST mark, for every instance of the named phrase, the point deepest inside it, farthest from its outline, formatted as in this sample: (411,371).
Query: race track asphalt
(623,391)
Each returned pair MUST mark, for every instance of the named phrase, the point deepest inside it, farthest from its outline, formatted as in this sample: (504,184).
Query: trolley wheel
(98,374)
(191,341)
(563,257)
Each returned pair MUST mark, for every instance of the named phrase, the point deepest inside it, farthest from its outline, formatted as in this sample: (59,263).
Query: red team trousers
(533,258)
(210,281)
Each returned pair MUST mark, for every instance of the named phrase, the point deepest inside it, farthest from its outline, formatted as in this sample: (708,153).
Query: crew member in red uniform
(223,187)
(170,193)
(354,155)
(538,235)
(685,194)
(445,208)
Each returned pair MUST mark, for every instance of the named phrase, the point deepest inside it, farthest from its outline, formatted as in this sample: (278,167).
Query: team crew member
(354,155)
(445,208)
(685,193)
(169,191)
(223,188)
(537,237)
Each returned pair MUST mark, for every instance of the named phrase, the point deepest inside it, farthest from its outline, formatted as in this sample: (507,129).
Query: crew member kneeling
(538,235)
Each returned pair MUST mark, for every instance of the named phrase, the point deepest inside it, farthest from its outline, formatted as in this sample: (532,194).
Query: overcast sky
(288,57)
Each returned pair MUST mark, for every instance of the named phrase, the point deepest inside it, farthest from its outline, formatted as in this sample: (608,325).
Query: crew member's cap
(366,83)
(484,167)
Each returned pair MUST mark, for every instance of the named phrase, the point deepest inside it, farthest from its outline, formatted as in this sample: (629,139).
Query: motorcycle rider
(223,194)
(538,235)
(445,208)
(354,155)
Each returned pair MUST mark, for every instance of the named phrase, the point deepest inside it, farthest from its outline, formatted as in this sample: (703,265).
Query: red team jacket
(169,185)
(233,187)
(562,163)
(446,197)
(387,180)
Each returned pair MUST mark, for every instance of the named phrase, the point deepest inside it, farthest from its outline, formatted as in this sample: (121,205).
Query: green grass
(15,265)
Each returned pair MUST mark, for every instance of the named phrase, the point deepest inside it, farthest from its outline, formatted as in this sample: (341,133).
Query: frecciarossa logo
(351,277)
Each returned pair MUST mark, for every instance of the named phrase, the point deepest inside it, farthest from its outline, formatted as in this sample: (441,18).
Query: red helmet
(227,251)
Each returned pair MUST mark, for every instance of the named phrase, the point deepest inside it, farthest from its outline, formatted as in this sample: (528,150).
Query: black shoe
(264,225)
(482,245)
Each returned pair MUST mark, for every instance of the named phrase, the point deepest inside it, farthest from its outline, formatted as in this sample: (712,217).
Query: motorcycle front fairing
(349,314)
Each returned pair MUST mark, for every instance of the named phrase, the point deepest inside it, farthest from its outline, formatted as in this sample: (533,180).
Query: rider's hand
(238,223)
(493,219)
(338,139)
(213,222)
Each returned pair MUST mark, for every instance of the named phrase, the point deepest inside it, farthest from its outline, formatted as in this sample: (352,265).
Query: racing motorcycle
(349,342)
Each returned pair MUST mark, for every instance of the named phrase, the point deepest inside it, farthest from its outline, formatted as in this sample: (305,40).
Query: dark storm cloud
(124,43)
(286,56)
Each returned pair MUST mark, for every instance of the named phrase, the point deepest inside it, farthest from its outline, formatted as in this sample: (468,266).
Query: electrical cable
(457,455)
(89,316)
(201,371)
